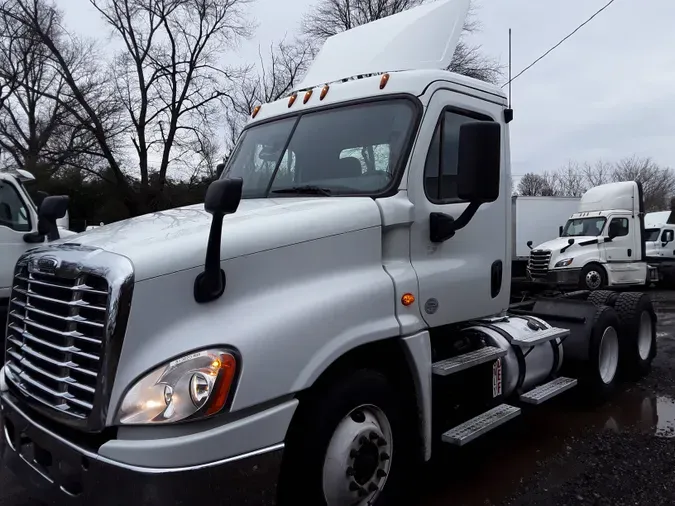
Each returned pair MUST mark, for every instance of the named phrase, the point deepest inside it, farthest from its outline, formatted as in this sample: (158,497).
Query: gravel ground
(561,454)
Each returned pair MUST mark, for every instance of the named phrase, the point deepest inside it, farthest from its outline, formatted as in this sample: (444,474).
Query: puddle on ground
(490,469)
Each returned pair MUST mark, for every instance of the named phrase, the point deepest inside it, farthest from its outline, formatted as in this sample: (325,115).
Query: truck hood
(168,241)
(555,245)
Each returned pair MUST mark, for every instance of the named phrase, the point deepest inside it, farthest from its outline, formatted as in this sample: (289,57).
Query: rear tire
(348,444)
(637,332)
(603,298)
(600,375)
(593,277)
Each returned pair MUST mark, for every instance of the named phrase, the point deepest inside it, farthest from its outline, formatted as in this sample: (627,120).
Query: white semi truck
(602,244)
(339,306)
(23,227)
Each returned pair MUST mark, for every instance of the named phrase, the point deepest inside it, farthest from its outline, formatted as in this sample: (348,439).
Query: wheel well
(387,357)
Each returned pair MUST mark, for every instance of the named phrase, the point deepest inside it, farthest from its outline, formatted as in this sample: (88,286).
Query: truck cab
(338,306)
(18,224)
(601,245)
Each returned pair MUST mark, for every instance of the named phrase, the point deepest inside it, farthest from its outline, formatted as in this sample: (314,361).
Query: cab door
(466,276)
(666,243)
(16,219)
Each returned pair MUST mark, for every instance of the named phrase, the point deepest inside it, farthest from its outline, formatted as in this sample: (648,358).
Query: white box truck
(323,321)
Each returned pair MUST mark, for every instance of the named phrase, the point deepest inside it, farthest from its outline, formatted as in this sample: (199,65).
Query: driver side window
(13,211)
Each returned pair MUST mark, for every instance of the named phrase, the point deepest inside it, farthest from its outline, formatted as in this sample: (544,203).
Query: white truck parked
(338,306)
(535,220)
(21,227)
(602,244)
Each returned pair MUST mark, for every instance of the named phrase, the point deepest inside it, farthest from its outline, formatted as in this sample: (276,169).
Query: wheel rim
(645,335)
(609,355)
(593,280)
(358,458)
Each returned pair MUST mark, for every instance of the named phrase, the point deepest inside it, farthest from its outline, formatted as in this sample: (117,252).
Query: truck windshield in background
(349,150)
(584,227)
(652,234)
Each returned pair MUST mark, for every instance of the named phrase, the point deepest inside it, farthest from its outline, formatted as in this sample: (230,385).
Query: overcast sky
(608,92)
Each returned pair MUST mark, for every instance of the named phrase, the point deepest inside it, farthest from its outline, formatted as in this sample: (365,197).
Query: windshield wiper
(305,190)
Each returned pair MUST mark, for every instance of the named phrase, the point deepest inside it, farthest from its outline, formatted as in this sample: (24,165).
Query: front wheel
(347,446)
(593,277)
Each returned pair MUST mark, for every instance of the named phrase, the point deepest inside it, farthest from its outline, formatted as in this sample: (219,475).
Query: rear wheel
(603,298)
(347,446)
(600,376)
(637,332)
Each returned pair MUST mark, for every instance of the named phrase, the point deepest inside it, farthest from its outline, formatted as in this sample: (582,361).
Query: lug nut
(381,442)
(363,440)
(374,436)
(372,487)
(381,473)
(384,456)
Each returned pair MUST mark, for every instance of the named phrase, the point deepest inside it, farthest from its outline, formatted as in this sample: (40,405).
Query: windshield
(584,226)
(350,150)
(652,234)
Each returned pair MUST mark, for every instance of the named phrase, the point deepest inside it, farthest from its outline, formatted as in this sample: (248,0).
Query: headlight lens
(564,263)
(193,386)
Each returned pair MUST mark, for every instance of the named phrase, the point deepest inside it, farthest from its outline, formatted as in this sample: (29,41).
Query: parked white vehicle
(660,235)
(346,282)
(601,245)
(535,220)
(19,226)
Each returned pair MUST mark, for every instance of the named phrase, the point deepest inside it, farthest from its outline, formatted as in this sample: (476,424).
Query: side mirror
(613,230)
(478,166)
(529,244)
(222,197)
(51,209)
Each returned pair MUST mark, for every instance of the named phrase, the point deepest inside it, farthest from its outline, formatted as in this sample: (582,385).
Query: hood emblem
(44,265)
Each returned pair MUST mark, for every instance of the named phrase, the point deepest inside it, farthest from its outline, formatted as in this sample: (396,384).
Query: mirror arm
(210,284)
(443,227)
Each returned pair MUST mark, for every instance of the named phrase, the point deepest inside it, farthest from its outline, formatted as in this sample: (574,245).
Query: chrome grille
(538,263)
(56,330)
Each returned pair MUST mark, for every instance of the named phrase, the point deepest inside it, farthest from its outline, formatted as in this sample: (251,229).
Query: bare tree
(168,75)
(535,185)
(330,17)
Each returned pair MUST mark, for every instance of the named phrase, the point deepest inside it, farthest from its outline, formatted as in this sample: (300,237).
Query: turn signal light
(407,299)
(384,80)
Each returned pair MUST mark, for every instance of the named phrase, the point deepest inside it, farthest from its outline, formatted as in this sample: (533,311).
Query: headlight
(564,263)
(193,386)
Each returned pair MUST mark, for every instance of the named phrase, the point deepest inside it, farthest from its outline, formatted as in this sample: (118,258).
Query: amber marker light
(291,99)
(308,95)
(407,299)
(256,110)
(384,80)
(324,92)
(226,369)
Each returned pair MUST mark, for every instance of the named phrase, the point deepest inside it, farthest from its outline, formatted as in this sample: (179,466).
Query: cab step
(467,360)
(479,425)
(548,390)
(540,336)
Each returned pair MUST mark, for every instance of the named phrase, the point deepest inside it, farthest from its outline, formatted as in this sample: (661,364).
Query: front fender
(290,312)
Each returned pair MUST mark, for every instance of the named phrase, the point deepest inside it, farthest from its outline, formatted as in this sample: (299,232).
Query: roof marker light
(256,110)
(324,92)
(308,95)
(291,99)
(384,80)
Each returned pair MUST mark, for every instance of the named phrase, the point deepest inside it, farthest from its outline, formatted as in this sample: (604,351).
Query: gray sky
(608,92)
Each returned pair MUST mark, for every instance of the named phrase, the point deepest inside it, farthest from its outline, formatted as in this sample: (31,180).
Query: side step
(548,390)
(479,425)
(467,360)
(540,336)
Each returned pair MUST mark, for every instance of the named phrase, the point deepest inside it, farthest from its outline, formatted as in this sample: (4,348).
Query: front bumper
(52,467)
(559,277)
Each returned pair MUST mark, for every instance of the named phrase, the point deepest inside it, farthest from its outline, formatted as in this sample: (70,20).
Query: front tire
(593,277)
(347,445)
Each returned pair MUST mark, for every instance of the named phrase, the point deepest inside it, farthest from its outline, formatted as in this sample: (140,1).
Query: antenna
(509,68)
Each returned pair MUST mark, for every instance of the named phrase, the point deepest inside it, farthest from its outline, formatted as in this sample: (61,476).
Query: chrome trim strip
(139,469)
